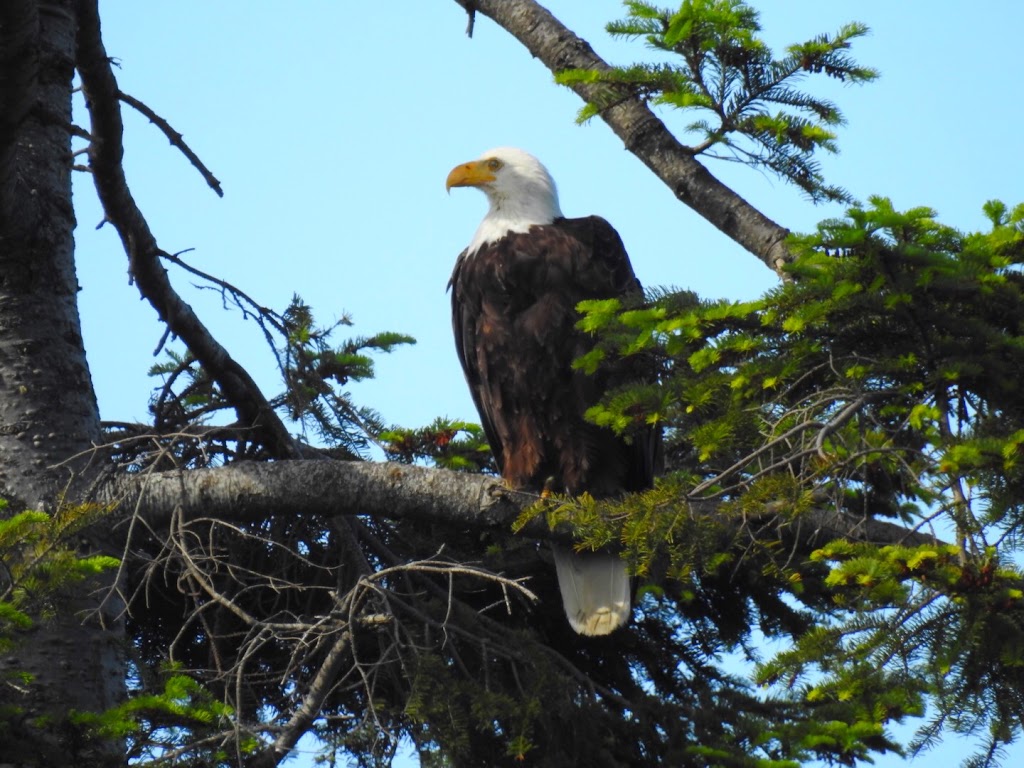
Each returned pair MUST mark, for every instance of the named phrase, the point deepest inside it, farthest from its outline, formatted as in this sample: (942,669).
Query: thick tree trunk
(48,411)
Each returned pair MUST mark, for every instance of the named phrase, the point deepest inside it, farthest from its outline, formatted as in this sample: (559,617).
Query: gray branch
(250,492)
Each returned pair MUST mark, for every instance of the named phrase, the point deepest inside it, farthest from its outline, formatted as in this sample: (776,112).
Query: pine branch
(728,74)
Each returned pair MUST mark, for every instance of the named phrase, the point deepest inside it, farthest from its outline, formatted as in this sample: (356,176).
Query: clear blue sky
(332,126)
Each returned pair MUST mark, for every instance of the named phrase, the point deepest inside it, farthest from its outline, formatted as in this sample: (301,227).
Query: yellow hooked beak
(471,174)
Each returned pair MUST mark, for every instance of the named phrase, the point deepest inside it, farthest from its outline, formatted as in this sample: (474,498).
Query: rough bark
(643,133)
(47,407)
(249,492)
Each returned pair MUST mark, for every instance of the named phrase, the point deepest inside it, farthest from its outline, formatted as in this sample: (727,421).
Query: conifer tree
(843,470)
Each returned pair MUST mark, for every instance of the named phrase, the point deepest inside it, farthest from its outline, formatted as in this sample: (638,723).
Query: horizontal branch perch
(253,491)
(249,492)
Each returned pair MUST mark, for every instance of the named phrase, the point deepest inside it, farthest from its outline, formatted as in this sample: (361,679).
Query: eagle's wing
(478,372)
(514,320)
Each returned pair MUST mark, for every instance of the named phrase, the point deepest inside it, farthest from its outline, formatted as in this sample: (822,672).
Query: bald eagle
(514,294)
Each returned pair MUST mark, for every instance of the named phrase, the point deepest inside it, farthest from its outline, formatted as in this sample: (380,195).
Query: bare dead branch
(175,138)
(329,670)
(106,152)
(304,715)
(248,305)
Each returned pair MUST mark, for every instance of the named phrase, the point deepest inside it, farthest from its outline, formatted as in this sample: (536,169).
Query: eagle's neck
(516,213)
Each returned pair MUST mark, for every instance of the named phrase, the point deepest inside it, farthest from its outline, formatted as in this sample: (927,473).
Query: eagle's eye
(494,164)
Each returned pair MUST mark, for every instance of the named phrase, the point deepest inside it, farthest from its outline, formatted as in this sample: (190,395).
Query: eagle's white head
(518,187)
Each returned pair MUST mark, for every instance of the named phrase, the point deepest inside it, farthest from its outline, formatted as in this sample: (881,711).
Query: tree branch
(643,133)
(251,492)
(105,153)
(308,710)
(176,139)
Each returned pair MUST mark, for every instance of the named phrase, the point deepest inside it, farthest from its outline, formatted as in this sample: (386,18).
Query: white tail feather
(595,590)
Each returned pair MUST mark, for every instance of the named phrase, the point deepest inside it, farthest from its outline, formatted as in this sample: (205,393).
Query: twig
(175,138)
(105,156)
(306,712)
(470,7)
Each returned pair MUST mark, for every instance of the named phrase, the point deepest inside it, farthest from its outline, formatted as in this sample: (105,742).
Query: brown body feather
(514,297)
(514,315)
